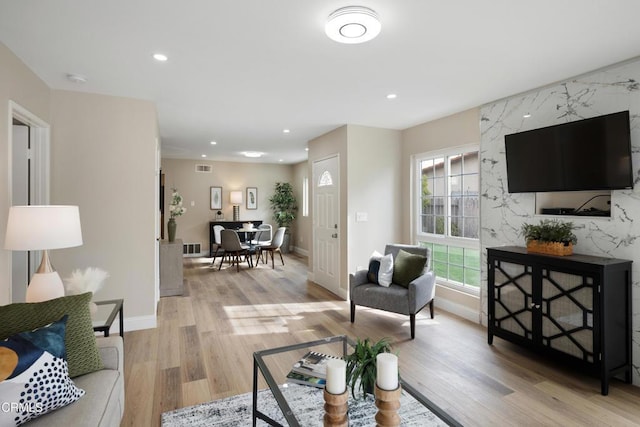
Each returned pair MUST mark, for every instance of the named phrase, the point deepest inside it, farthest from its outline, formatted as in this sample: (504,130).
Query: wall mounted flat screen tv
(590,154)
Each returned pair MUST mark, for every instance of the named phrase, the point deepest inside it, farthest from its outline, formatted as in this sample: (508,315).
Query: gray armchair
(395,298)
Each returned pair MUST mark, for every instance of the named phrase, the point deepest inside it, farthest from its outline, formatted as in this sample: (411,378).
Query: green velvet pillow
(82,353)
(407,267)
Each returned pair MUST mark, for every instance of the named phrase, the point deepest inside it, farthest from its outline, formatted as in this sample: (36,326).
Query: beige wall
(302,224)
(103,159)
(374,186)
(18,84)
(458,129)
(194,187)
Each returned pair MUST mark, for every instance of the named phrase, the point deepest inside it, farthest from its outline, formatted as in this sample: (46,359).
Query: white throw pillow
(385,274)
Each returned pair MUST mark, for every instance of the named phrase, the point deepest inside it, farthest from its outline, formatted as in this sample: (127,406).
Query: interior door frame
(40,142)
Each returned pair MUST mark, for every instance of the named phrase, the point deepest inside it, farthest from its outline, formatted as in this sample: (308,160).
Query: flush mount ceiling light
(353,24)
(252,154)
(160,57)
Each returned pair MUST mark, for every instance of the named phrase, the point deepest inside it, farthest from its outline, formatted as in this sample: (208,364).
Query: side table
(107,311)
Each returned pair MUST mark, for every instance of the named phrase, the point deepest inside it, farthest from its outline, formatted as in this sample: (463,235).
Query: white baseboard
(133,324)
(458,310)
(300,251)
(198,255)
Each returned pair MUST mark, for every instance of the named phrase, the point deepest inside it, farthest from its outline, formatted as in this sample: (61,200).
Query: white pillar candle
(387,371)
(336,376)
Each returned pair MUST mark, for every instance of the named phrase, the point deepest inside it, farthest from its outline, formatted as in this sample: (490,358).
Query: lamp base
(236,213)
(45,286)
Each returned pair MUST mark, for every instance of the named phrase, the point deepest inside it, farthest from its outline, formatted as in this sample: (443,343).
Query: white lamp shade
(236,197)
(43,227)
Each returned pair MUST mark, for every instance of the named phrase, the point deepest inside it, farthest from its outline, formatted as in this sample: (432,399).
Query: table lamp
(31,228)
(236,201)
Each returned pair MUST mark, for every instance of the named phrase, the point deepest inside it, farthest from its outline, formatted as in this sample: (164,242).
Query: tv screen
(590,154)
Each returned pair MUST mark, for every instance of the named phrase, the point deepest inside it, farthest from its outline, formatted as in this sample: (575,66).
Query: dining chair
(276,242)
(233,248)
(263,235)
(217,243)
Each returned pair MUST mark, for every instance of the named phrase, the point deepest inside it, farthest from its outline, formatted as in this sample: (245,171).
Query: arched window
(325,179)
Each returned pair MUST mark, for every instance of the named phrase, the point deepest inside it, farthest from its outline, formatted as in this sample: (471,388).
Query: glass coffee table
(301,405)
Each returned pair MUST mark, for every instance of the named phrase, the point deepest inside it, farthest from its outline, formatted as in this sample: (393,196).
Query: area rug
(235,411)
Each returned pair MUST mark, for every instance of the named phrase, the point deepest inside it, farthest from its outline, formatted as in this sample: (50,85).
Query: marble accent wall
(603,92)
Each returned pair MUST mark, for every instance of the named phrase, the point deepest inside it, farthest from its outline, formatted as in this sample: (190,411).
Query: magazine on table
(296,378)
(313,364)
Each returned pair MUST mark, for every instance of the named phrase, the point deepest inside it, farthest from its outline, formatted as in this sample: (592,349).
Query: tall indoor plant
(284,206)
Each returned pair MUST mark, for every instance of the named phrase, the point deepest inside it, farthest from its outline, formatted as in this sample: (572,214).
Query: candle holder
(335,409)
(388,403)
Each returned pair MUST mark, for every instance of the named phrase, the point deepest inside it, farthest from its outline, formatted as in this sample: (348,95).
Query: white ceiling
(241,71)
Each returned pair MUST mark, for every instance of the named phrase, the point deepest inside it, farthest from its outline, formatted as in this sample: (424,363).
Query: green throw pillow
(82,353)
(407,267)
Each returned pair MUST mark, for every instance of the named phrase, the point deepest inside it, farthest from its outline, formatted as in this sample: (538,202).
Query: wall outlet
(193,203)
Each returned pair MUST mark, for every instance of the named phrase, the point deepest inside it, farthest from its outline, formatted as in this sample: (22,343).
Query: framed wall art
(252,198)
(216,198)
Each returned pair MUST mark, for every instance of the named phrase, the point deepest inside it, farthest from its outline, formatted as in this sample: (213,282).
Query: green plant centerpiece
(550,236)
(361,364)
(284,206)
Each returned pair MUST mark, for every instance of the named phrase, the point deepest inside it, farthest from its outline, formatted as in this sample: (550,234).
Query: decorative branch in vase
(175,209)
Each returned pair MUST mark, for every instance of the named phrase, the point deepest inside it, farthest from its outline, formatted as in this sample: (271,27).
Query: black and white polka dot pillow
(34,378)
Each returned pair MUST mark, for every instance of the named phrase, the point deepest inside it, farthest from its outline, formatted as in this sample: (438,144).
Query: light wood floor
(202,350)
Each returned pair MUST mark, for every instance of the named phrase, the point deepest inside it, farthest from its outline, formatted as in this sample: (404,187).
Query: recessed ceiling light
(527,115)
(306,149)
(286,130)
(76,78)
(160,57)
(352,24)
(213,143)
(252,154)
(392,96)
(280,160)
(203,155)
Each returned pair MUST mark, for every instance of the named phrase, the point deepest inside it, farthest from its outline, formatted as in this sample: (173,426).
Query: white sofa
(103,402)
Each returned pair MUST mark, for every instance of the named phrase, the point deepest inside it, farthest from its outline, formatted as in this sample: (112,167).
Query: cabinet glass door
(513,298)
(567,313)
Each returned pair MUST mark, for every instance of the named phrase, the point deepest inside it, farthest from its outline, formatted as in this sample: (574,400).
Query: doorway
(326,223)
(29,185)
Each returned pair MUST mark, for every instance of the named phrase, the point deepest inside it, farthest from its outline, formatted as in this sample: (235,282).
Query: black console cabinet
(573,308)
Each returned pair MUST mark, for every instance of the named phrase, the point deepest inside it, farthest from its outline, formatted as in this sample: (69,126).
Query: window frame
(446,239)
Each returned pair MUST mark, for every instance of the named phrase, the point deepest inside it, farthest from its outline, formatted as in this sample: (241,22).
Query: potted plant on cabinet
(551,237)
(361,364)
(283,203)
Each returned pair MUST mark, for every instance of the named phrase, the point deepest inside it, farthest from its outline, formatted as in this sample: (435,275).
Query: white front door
(326,224)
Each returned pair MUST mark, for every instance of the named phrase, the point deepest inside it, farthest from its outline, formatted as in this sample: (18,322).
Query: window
(325,179)
(305,196)
(448,208)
